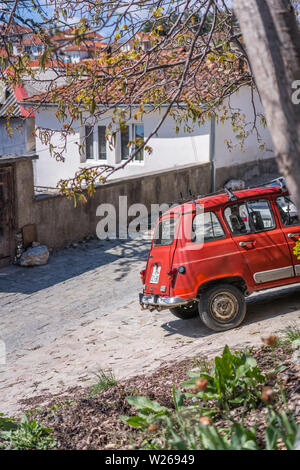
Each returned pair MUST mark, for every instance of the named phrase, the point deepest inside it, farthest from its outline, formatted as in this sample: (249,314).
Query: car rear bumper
(162,302)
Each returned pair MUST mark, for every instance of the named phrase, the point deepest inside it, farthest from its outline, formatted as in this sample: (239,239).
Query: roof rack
(280,181)
(192,197)
(232,196)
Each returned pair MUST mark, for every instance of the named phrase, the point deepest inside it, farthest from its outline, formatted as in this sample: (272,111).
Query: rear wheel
(222,307)
(186,311)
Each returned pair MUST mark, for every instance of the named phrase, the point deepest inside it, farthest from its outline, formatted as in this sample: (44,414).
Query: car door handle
(249,243)
(293,235)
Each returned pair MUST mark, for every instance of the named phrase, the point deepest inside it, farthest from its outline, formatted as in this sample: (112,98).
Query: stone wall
(59,222)
(247,171)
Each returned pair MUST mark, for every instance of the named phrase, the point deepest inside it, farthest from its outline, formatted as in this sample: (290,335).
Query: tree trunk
(272,41)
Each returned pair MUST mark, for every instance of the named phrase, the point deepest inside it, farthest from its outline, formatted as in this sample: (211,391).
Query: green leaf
(146,405)
(178,398)
(135,421)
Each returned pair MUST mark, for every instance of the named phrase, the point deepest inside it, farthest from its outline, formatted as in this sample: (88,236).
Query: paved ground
(65,321)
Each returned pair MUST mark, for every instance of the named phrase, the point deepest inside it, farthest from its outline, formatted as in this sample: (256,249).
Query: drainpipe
(212,145)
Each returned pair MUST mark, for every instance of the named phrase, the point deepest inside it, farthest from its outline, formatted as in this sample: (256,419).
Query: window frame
(98,143)
(89,135)
(277,208)
(245,202)
(161,221)
(96,148)
(131,137)
(213,239)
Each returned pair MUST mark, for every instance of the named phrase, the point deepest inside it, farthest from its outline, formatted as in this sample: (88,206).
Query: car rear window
(165,232)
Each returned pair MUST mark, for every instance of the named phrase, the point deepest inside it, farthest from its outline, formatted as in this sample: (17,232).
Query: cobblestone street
(63,322)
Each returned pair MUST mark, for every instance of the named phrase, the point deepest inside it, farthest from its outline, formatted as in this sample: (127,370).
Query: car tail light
(143,275)
(172,274)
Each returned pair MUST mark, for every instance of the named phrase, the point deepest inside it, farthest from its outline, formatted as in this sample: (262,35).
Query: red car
(209,253)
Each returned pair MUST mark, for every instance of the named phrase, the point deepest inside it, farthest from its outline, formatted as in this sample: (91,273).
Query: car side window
(206,227)
(250,217)
(287,211)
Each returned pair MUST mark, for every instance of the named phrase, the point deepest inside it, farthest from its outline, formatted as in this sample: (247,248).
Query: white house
(21,139)
(169,150)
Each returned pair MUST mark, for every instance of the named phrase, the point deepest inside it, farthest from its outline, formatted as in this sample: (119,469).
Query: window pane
(101,143)
(261,216)
(237,218)
(89,142)
(287,211)
(124,143)
(251,217)
(206,227)
(165,232)
(139,137)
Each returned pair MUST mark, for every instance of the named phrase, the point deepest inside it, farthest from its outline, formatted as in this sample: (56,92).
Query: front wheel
(222,307)
(186,311)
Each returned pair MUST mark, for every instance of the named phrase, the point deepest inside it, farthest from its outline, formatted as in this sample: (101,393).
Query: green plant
(281,425)
(7,424)
(27,435)
(181,429)
(202,364)
(148,412)
(234,380)
(106,379)
(291,333)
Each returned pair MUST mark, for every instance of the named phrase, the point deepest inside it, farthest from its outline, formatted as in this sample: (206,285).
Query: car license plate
(155,275)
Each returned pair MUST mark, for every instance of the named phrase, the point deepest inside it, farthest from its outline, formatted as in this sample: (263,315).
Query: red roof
(69,33)
(34,40)
(204,86)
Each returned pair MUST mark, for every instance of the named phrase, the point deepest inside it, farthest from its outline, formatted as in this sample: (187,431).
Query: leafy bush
(25,435)
(234,380)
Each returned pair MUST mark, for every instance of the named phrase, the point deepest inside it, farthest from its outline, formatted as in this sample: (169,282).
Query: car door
(259,237)
(290,225)
(207,251)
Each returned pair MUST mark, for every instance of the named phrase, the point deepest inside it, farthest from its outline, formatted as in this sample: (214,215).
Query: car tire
(222,307)
(185,312)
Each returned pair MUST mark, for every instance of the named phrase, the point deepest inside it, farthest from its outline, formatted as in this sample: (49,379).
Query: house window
(101,143)
(134,132)
(138,133)
(124,143)
(89,143)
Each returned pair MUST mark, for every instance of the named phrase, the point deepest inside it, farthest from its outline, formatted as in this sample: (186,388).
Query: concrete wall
(59,222)
(249,171)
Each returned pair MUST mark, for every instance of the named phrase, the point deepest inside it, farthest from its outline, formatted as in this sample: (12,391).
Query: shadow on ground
(260,306)
(69,263)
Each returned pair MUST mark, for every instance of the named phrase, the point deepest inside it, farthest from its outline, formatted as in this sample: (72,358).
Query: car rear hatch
(161,256)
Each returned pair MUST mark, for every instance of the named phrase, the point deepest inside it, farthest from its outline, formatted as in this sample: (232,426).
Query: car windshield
(165,232)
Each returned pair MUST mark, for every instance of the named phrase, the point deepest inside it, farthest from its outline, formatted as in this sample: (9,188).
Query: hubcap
(224,307)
